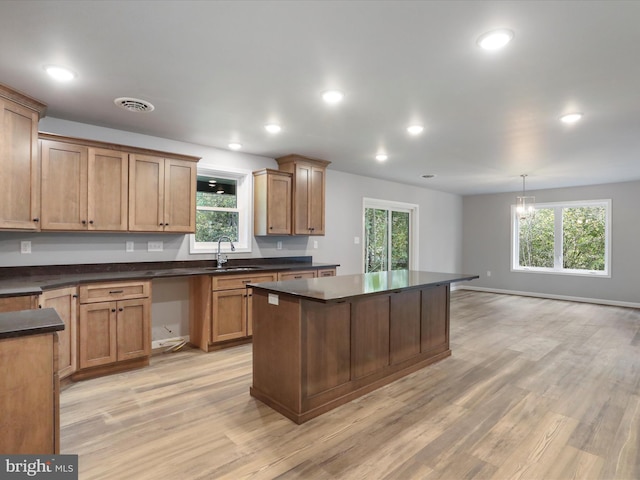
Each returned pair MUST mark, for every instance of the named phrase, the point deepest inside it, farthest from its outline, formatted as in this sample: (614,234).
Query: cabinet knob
(113,309)
(75,295)
(91,222)
(39,306)
(270,228)
(121,309)
(84,222)
(36,220)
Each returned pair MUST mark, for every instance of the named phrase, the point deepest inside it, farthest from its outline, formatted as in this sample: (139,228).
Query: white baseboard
(600,301)
(167,342)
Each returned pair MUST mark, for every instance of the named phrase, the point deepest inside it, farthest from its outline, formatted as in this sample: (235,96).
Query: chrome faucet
(220,258)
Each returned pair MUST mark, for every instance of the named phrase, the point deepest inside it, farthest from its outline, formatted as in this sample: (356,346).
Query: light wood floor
(535,389)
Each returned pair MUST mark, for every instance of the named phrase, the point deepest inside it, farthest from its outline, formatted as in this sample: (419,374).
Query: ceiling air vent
(134,104)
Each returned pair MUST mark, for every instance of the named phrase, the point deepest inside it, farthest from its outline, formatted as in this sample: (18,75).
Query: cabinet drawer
(328,272)
(296,275)
(227,282)
(107,292)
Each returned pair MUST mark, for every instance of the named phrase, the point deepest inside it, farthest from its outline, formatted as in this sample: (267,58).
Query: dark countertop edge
(29,322)
(265,286)
(35,285)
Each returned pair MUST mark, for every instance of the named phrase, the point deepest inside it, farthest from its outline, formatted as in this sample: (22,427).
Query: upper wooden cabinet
(162,194)
(19,166)
(272,196)
(308,192)
(83,188)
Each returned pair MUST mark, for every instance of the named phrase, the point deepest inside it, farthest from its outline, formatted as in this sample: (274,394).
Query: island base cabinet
(29,396)
(310,357)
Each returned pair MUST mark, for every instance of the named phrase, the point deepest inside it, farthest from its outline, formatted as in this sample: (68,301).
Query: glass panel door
(387,237)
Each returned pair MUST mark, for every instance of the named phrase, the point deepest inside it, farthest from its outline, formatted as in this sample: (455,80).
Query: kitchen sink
(231,269)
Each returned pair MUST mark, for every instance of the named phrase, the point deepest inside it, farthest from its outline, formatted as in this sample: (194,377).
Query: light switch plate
(154,246)
(279,245)
(274,299)
(356,240)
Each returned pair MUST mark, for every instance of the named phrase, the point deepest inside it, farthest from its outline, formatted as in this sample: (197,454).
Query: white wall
(487,245)
(440,225)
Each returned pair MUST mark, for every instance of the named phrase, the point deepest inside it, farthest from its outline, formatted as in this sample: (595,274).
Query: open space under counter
(322,342)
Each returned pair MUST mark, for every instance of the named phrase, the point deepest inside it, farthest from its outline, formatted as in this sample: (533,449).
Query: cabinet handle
(75,295)
(246,281)
(270,228)
(120,309)
(116,291)
(161,224)
(297,276)
(91,222)
(84,222)
(36,220)
(39,306)
(113,309)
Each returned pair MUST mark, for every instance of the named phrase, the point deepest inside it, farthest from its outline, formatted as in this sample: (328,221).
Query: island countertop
(29,322)
(343,287)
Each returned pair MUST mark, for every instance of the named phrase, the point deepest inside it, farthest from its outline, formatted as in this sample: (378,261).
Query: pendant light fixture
(525,206)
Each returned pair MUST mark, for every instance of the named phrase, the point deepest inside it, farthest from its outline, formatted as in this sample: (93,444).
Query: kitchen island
(320,343)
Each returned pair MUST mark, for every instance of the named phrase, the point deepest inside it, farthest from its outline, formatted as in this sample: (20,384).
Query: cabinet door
(134,329)
(108,189)
(435,318)
(249,312)
(65,302)
(146,193)
(64,186)
(316,201)
(19,167)
(327,272)
(301,200)
(278,204)
(229,315)
(97,334)
(179,196)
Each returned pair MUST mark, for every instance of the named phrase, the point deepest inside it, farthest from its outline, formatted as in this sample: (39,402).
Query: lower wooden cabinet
(229,314)
(65,302)
(29,395)
(15,304)
(300,274)
(115,331)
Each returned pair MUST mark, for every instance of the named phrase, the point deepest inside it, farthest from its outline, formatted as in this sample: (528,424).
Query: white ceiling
(217,71)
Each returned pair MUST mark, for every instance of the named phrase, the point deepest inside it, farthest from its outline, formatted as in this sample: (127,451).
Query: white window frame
(244,195)
(410,208)
(558,237)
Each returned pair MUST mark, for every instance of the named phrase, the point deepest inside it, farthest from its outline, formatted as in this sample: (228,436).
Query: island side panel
(326,332)
(369,335)
(277,352)
(435,319)
(404,341)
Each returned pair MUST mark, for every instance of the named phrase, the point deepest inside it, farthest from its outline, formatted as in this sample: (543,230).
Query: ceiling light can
(59,73)
(571,117)
(495,39)
(381,157)
(415,129)
(273,128)
(235,146)
(333,96)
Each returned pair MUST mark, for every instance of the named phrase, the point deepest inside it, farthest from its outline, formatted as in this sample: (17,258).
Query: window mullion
(557,239)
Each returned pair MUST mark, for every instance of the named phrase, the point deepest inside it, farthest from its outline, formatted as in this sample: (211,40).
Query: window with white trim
(566,238)
(223,208)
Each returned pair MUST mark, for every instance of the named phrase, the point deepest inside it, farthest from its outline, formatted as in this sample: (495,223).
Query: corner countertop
(29,322)
(344,287)
(21,281)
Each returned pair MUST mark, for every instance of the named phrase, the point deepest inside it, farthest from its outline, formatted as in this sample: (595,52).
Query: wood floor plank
(534,389)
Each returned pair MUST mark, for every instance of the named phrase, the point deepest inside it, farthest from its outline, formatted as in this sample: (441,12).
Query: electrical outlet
(129,247)
(154,246)
(278,245)
(488,273)
(315,244)
(25,246)
(356,240)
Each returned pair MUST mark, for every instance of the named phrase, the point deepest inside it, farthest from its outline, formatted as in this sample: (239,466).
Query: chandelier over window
(525,206)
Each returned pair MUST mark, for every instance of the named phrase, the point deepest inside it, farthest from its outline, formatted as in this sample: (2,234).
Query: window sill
(571,273)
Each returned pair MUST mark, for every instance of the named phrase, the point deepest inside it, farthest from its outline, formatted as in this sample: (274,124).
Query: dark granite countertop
(344,287)
(19,281)
(29,322)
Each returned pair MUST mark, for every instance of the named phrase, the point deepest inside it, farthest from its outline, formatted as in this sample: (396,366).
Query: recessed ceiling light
(381,157)
(495,39)
(59,73)
(571,117)
(332,96)
(415,129)
(273,128)
(235,146)
(428,175)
